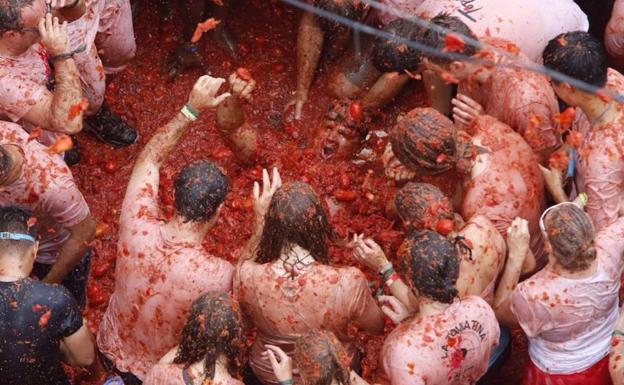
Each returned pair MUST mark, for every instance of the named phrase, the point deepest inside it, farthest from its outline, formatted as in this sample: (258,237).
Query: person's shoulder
(346,273)
(49,293)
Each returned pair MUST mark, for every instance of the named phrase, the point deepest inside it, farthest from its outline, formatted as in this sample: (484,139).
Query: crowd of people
(532,237)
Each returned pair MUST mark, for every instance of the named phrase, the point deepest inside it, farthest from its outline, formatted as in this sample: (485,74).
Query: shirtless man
(42,325)
(68,56)
(34,178)
(314,32)
(599,121)
(501,178)
(156,258)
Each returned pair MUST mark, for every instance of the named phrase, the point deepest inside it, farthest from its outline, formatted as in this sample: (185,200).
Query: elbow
(67,126)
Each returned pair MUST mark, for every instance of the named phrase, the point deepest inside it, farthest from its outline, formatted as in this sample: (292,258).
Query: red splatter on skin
(101,229)
(444,226)
(45,318)
(31,222)
(35,134)
(63,143)
(77,109)
(244,73)
(453,43)
(204,27)
(449,78)
(575,140)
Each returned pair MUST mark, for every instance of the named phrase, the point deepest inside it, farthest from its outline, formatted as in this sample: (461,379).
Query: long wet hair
(450,25)
(431,263)
(295,217)
(571,236)
(350,9)
(425,141)
(421,205)
(213,327)
(321,358)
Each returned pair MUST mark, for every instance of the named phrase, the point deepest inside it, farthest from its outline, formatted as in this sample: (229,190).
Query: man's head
(214,327)
(393,55)
(19,20)
(322,359)
(350,9)
(578,55)
(343,136)
(295,217)
(11,163)
(431,264)
(16,238)
(422,206)
(427,142)
(437,40)
(200,189)
(570,236)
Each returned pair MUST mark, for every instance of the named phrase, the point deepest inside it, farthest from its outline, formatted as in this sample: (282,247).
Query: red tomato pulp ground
(145,98)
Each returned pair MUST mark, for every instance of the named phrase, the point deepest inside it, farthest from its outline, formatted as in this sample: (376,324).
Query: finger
(274,181)
(266,183)
(278,177)
(469,101)
(219,99)
(232,78)
(391,314)
(273,359)
(464,107)
(461,114)
(64,28)
(42,30)
(283,356)
(256,190)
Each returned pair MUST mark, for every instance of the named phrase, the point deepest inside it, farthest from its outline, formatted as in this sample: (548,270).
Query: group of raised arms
(506,181)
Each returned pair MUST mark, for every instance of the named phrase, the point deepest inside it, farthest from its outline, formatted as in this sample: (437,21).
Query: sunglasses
(541,221)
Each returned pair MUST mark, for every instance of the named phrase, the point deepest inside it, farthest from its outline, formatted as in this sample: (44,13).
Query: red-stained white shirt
(283,309)
(171,374)
(524,100)
(600,169)
(157,279)
(510,184)
(448,348)
(569,322)
(47,188)
(530,24)
(614,34)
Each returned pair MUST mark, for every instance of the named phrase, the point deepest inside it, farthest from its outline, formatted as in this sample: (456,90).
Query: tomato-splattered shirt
(34,318)
(510,184)
(157,279)
(449,348)
(283,309)
(530,24)
(173,374)
(568,321)
(600,170)
(46,187)
(524,100)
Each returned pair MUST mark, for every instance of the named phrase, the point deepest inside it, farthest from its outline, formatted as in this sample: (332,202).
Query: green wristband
(618,333)
(286,382)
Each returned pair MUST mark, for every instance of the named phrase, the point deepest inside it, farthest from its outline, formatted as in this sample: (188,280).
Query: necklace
(294,262)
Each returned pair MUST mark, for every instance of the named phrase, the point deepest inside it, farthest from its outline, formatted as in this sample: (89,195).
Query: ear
(457,66)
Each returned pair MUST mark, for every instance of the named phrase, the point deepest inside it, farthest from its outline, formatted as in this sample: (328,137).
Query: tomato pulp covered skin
(356,196)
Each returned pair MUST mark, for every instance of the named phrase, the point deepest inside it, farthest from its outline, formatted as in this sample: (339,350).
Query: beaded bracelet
(286,382)
(618,333)
(387,272)
(69,55)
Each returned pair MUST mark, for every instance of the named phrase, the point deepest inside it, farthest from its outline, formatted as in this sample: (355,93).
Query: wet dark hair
(321,358)
(452,25)
(425,141)
(578,55)
(571,236)
(295,217)
(200,188)
(214,327)
(390,55)
(14,219)
(431,263)
(5,163)
(350,9)
(421,205)
(11,14)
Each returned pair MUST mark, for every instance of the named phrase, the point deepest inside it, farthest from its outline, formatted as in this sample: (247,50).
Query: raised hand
(465,110)
(263,200)
(54,35)
(393,308)
(518,238)
(204,94)
(240,87)
(280,362)
(368,253)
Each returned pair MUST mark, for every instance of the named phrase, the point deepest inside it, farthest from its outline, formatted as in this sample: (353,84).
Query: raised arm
(146,169)
(231,122)
(309,47)
(518,247)
(61,111)
(384,90)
